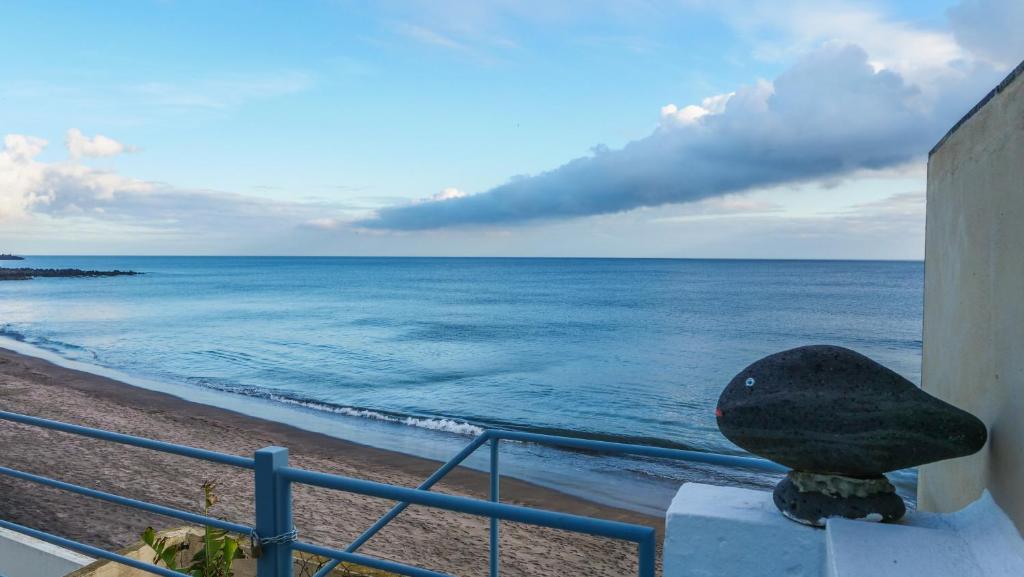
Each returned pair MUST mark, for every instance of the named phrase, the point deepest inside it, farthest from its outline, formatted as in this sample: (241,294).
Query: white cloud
(692,112)
(783,31)
(27,185)
(30,189)
(867,93)
(80,145)
(30,186)
(685,115)
(447,194)
(991,29)
(828,116)
(21,148)
(16,174)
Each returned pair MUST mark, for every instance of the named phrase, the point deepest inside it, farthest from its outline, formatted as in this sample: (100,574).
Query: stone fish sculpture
(840,421)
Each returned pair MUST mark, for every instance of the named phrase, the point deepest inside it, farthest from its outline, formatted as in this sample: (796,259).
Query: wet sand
(430,538)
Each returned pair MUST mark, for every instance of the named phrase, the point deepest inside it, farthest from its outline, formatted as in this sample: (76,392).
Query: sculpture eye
(749,382)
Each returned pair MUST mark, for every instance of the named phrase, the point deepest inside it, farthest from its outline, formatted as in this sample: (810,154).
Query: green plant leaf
(230,550)
(168,557)
(218,552)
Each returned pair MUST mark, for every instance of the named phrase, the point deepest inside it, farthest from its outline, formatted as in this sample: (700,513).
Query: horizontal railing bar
(642,450)
(397,509)
(642,535)
(151,507)
(552,519)
(372,562)
(88,549)
(225,459)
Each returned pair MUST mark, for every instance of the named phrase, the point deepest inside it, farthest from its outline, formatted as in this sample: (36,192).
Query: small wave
(442,424)
(457,426)
(432,423)
(7,331)
(52,345)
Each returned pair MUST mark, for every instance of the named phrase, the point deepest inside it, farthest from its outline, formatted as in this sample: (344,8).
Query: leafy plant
(216,556)
(168,553)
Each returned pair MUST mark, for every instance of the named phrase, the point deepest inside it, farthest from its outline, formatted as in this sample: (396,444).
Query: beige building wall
(974,298)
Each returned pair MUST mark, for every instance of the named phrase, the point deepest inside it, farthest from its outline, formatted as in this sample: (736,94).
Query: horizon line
(779,259)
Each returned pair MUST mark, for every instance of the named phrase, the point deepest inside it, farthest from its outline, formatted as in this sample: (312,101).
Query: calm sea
(418,354)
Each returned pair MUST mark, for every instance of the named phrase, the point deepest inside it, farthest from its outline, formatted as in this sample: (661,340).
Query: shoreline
(604,480)
(430,538)
(429,437)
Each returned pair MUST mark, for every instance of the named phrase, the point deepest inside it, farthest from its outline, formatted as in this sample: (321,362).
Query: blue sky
(337,127)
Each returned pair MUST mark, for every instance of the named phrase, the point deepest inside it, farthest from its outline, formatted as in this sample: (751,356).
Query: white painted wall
(24,556)
(974,299)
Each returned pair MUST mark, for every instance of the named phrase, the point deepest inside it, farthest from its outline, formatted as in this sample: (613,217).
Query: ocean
(418,355)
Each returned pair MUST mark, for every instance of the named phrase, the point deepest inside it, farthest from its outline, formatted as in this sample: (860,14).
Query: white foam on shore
(440,424)
(557,474)
(434,424)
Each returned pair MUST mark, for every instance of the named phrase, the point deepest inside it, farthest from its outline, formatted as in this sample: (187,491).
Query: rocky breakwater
(840,421)
(30,273)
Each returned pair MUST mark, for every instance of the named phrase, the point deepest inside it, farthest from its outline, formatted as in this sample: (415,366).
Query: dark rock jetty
(30,273)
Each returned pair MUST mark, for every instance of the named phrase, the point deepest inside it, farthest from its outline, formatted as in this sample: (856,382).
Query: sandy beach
(429,538)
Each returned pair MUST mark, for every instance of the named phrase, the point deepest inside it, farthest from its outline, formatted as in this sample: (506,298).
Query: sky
(629,128)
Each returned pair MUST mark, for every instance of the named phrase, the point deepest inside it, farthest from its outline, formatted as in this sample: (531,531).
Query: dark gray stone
(878,502)
(831,410)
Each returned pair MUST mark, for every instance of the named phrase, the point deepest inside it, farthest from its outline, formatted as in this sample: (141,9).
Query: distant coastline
(11,257)
(31,273)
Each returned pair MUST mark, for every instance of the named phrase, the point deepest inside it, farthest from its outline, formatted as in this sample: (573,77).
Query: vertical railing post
(273,513)
(495,497)
(647,553)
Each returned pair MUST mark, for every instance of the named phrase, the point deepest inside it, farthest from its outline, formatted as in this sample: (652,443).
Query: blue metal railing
(274,477)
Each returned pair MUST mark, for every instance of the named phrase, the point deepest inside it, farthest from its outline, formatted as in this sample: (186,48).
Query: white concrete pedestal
(24,556)
(729,532)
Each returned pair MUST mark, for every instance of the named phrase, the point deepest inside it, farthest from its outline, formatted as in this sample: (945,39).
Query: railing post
(495,497)
(647,552)
(273,512)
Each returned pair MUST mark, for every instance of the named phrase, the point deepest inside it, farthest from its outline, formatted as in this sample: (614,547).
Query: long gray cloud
(831,114)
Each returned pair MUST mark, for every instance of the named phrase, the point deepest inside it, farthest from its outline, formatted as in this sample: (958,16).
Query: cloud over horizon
(990,29)
(80,145)
(836,111)
(30,187)
(850,92)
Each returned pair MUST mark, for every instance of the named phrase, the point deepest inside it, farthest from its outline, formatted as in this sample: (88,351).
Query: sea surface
(420,354)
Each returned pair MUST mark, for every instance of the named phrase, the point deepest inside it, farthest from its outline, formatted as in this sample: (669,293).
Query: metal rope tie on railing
(256,542)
